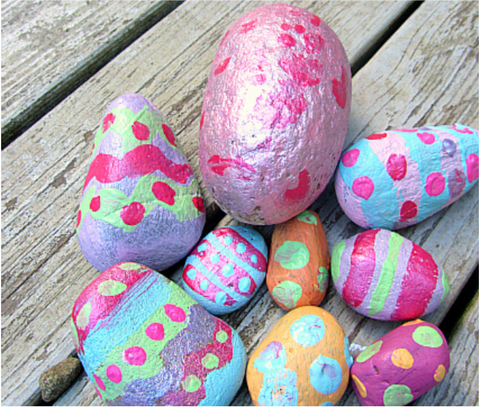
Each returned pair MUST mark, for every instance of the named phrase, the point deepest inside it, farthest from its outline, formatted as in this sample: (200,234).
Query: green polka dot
(110,288)
(369,352)
(307,217)
(191,383)
(446,286)
(83,316)
(130,266)
(322,278)
(397,395)
(292,255)
(210,361)
(75,334)
(221,336)
(427,336)
(336,257)
(287,293)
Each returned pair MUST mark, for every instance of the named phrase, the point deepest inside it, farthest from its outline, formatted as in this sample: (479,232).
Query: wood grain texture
(460,385)
(49,48)
(43,269)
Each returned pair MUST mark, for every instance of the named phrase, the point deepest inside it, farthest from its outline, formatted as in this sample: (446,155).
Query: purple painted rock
(143,341)
(275,114)
(141,201)
(400,177)
(385,276)
(226,268)
(401,366)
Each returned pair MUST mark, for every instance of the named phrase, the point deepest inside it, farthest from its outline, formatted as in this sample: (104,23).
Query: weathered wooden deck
(413,64)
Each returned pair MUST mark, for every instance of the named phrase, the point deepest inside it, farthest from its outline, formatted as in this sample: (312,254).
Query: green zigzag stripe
(112,201)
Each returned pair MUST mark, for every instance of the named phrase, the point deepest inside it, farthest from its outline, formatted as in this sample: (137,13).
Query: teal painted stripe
(385,280)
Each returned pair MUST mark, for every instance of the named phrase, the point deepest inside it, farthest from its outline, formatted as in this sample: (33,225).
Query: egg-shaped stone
(140,200)
(275,114)
(401,366)
(385,276)
(299,262)
(303,361)
(400,177)
(226,268)
(144,342)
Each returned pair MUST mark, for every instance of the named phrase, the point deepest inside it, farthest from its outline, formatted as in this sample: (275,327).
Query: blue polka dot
(220,298)
(254,258)
(202,247)
(241,248)
(308,330)
(228,240)
(192,273)
(327,403)
(214,258)
(325,375)
(204,285)
(244,284)
(227,270)
(348,357)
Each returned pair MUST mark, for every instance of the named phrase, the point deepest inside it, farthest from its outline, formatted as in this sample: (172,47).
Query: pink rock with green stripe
(385,276)
(143,341)
(140,201)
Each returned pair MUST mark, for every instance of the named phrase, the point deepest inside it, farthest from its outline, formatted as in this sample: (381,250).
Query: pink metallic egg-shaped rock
(385,276)
(275,114)
(401,366)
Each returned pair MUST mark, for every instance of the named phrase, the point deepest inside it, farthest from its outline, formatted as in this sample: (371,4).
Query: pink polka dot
(114,373)
(140,131)
(169,134)
(286,39)
(108,120)
(376,136)
(99,382)
(286,27)
(155,331)
(79,217)
(349,159)
(135,355)
(164,192)
(409,210)
(427,138)
(95,204)
(176,314)
(397,166)
(314,43)
(198,203)
(472,167)
(363,187)
(315,21)
(299,28)
(222,66)
(202,118)
(435,184)
(132,214)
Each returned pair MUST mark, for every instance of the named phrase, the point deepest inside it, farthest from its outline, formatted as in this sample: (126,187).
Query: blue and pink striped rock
(400,177)
(385,276)
(226,268)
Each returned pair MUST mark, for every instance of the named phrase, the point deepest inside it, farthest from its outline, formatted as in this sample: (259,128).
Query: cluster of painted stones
(226,268)
(275,114)
(140,201)
(400,177)
(143,341)
(299,262)
(401,366)
(385,276)
(303,360)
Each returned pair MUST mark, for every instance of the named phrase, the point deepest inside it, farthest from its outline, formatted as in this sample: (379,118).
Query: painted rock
(143,341)
(226,268)
(401,366)
(275,114)
(400,177)
(303,361)
(299,262)
(385,276)
(140,201)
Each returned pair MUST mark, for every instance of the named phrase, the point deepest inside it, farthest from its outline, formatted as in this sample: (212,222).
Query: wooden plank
(43,270)
(460,386)
(48,48)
